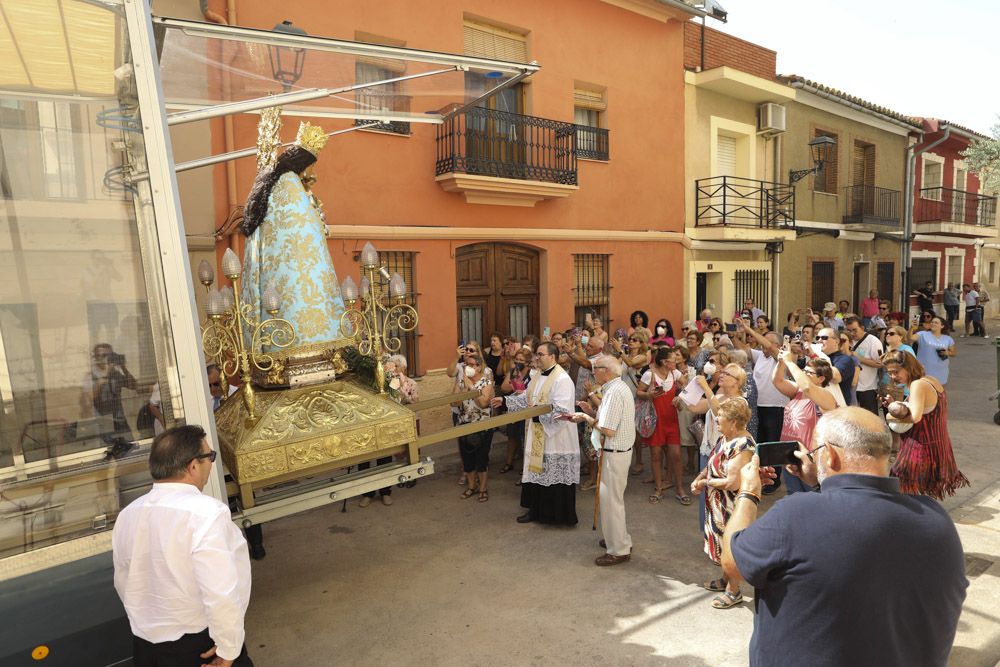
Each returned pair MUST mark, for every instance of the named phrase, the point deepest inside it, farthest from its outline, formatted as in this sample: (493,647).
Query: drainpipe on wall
(909,186)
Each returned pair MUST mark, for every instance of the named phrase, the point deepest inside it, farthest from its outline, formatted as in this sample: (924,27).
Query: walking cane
(597,491)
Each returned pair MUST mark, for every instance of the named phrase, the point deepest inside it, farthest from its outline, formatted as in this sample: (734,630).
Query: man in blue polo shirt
(857,574)
(830,340)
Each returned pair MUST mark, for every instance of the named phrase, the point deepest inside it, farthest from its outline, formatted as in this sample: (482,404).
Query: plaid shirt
(617,411)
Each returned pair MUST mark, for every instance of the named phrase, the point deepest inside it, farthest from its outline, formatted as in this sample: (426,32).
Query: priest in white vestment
(551,445)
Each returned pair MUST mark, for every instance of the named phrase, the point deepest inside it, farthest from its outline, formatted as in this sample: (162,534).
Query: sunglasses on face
(822,337)
(890,333)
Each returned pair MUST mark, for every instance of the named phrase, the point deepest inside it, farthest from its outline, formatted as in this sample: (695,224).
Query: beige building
(737,209)
(848,215)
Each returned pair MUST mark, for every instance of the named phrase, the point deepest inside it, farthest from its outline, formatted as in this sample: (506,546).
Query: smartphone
(547,332)
(787,338)
(461,343)
(731,327)
(778,453)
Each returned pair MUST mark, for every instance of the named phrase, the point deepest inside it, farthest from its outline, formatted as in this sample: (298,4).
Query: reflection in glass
(81,347)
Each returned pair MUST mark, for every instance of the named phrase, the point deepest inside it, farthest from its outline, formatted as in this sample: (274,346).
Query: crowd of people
(862,395)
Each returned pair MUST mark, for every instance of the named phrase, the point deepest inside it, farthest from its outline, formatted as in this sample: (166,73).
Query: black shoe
(603,544)
(257,551)
(525,518)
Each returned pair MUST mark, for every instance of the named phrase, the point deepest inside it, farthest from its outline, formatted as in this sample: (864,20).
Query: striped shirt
(617,412)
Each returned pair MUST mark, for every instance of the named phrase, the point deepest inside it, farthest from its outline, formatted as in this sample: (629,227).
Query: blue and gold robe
(288,251)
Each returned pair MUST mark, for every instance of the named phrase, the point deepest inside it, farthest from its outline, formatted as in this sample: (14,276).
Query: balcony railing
(869,205)
(487,142)
(956,206)
(732,201)
(591,142)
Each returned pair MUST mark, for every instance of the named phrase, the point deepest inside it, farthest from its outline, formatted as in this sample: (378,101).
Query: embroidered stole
(536,457)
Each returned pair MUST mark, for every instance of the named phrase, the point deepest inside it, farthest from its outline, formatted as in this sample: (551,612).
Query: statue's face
(308,176)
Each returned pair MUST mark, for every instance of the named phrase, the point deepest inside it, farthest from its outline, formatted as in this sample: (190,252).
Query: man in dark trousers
(857,574)
(181,565)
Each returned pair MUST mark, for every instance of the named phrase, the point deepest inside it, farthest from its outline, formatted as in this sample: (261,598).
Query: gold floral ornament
(311,137)
(268,138)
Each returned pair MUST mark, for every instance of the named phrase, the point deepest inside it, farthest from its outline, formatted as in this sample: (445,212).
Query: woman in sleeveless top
(659,385)
(926,463)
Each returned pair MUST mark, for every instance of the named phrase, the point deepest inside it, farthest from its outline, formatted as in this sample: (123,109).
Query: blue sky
(918,57)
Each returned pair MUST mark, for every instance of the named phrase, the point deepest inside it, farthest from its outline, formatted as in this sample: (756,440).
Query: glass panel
(518,318)
(472,323)
(195,57)
(83,333)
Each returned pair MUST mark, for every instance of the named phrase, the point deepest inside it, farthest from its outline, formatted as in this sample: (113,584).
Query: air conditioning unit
(770,119)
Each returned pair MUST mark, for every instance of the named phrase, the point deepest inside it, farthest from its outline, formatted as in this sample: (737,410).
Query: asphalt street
(434,579)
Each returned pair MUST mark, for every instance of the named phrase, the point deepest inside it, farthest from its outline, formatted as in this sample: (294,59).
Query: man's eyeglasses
(823,337)
(883,308)
(207,455)
(810,372)
(809,455)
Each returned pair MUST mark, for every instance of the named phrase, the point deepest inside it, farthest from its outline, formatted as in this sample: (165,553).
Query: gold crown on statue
(311,137)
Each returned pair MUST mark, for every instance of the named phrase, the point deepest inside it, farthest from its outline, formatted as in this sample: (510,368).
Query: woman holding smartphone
(658,385)
(475,448)
(809,399)
(720,480)
(514,382)
(935,350)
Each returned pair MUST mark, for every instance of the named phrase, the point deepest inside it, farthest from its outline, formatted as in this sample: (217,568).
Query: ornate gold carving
(262,465)
(276,374)
(268,138)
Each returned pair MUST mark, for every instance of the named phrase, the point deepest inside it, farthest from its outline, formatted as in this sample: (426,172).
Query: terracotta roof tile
(885,111)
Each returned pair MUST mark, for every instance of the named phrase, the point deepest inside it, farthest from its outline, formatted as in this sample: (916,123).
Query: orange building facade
(502,246)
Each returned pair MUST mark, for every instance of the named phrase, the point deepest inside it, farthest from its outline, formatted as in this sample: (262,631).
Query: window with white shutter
(725,156)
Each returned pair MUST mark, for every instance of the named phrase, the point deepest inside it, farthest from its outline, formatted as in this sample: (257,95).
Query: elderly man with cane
(614,426)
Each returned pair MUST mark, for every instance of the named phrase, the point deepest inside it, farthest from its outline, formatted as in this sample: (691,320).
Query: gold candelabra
(374,317)
(231,322)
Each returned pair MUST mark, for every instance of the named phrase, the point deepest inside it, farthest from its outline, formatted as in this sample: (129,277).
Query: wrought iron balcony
(732,201)
(957,207)
(488,142)
(591,142)
(869,205)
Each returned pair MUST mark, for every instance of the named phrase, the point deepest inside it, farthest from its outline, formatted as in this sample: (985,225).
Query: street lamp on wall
(287,61)
(820,148)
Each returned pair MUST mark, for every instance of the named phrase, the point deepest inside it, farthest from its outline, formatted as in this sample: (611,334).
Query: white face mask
(661,330)
(709,369)
(469,371)
(584,340)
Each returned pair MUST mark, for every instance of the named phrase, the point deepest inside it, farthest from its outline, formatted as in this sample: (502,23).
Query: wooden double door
(497,290)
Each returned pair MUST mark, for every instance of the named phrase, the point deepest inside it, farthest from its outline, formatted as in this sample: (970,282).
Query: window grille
(822,284)
(753,284)
(592,289)
(388,97)
(403,263)
(921,270)
(885,281)
(826,178)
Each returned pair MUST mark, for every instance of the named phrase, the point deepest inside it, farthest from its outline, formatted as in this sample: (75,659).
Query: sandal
(484,496)
(462,481)
(683,500)
(506,467)
(727,600)
(468,493)
(655,497)
(716,585)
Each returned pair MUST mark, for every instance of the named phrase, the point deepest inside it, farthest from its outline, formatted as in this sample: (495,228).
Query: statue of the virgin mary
(286,248)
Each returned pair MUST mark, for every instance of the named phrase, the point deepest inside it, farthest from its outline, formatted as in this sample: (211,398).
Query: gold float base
(307,430)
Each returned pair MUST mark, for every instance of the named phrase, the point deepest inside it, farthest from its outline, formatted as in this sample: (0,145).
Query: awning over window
(57,46)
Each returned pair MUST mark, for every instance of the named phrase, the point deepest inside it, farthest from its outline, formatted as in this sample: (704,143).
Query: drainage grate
(975,566)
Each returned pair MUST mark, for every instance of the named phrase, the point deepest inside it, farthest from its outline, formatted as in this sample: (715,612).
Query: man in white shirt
(770,402)
(973,316)
(181,565)
(615,422)
(868,350)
